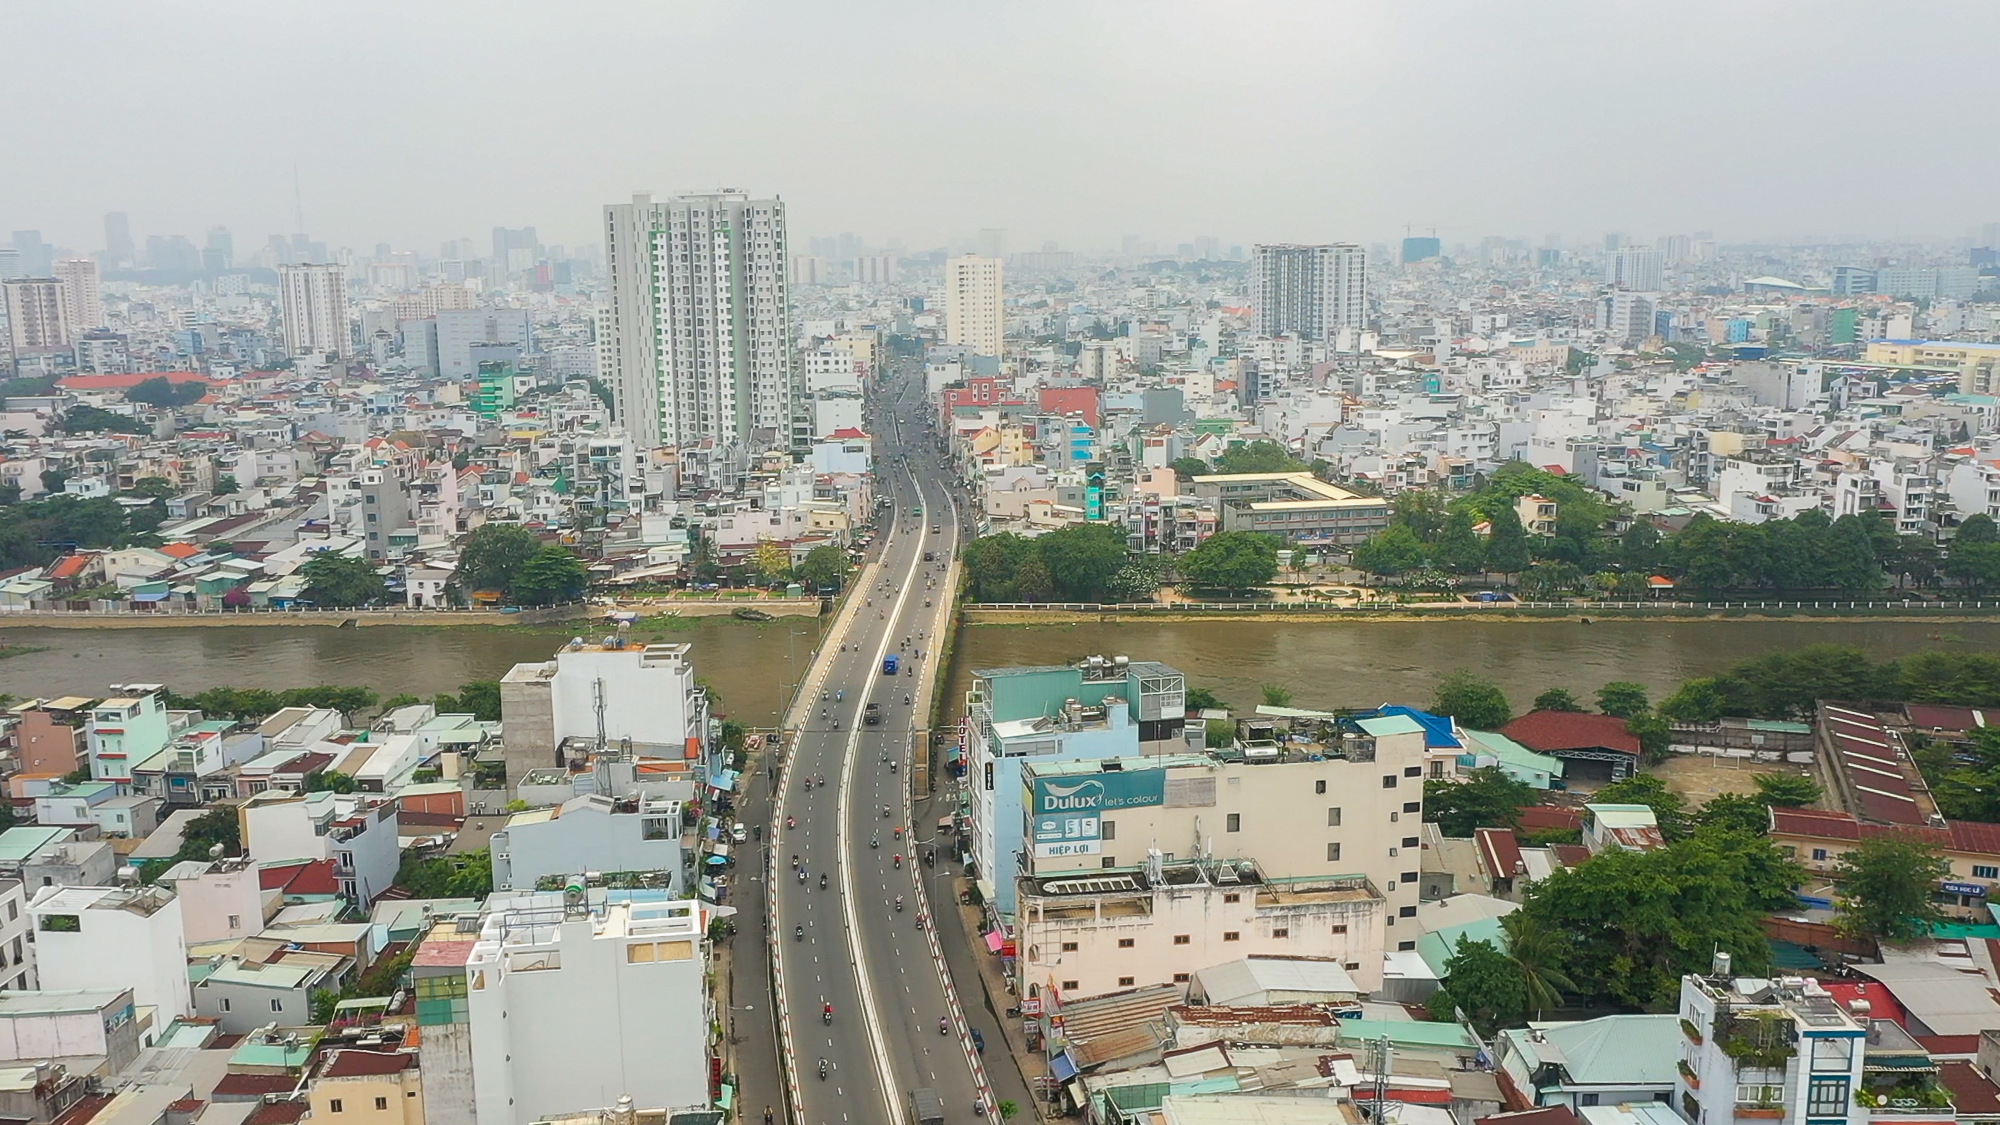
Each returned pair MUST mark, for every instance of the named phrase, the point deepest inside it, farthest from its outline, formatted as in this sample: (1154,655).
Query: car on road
(927,1107)
(935,528)
(930,556)
(738,833)
(872,714)
(889,665)
(978,1041)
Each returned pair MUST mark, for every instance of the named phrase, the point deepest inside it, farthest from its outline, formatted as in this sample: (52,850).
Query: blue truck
(889,665)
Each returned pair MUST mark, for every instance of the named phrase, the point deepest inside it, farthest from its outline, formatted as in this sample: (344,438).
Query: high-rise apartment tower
(973,311)
(1310,291)
(698,345)
(314,300)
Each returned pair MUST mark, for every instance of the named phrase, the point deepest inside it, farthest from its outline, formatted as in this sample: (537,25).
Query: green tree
(992,564)
(1032,582)
(1391,551)
(226,485)
(1735,812)
(1484,798)
(1786,790)
(479,698)
(1885,888)
(1536,952)
(1623,699)
(1422,511)
(1639,921)
(1459,549)
(330,781)
(160,392)
(1231,560)
(1507,549)
(550,575)
(1557,699)
(337,579)
(152,488)
(1202,699)
(1973,557)
(493,555)
(771,562)
(90,420)
(1695,701)
(1188,468)
(1276,695)
(203,833)
(1482,983)
(1081,559)
(465,875)
(1474,702)
(1259,457)
(823,568)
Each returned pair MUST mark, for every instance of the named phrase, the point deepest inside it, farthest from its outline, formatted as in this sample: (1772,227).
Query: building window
(1070,986)
(381,1103)
(277,1005)
(236,921)
(1413,806)
(1586,1099)
(1832,1052)
(1107,830)
(224,1003)
(1413,771)
(1126,982)
(1069,947)
(1182,939)
(1180,978)
(1333,852)
(1281,932)
(1319,786)
(1388,781)
(1819,853)
(1405,946)
(1340,927)
(1408,877)
(1410,841)
(1979,871)
(1124,943)
(335,1106)
(1826,1097)
(1333,818)
(1406,912)
(1232,935)
(1232,896)
(1233,822)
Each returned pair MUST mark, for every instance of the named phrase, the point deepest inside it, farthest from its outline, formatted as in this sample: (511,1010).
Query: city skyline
(1453,118)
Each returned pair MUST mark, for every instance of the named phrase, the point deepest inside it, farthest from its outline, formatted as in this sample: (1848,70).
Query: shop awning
(1061,1066)
(994,940)
(717,860)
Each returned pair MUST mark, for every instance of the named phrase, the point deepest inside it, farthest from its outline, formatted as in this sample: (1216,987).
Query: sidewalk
(751,1036)
(958,930)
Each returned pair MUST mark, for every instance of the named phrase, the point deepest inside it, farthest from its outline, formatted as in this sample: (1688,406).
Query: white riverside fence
(1492,607)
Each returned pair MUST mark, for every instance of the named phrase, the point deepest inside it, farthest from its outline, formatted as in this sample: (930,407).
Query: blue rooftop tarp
(1437,728)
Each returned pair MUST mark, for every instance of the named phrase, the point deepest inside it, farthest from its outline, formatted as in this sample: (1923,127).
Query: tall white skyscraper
(83,298)
(36,321)
(1311,291)
(1636,268)
(699,344)
(314,305)
(974,312)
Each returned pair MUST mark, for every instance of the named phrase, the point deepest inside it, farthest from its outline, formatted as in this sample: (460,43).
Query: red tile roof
(358,1064)
(1544,1115)
(1499,851)
(1553,731)
(1972,1093)
(244,1087)
(178,550)
(1549,816)
(69,566)
(1821,824)
(1869,757)
(309,878)
(276,1113)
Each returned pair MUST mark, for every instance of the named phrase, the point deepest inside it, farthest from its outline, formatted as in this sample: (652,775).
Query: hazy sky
(1076,121)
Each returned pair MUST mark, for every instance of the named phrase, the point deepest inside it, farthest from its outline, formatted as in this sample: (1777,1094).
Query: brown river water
(750,665)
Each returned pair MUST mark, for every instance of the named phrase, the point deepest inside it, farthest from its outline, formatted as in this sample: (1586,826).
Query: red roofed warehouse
(1596,745)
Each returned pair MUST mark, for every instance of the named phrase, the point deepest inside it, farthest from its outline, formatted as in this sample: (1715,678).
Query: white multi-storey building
(36,318)
(698,345)
(974,313)
(313,301)
(1311,291)
(114,937)
(1636,268)
(566,999)
(83,298)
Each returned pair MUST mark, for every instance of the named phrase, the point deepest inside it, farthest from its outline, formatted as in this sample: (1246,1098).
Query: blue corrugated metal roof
(1437,728)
